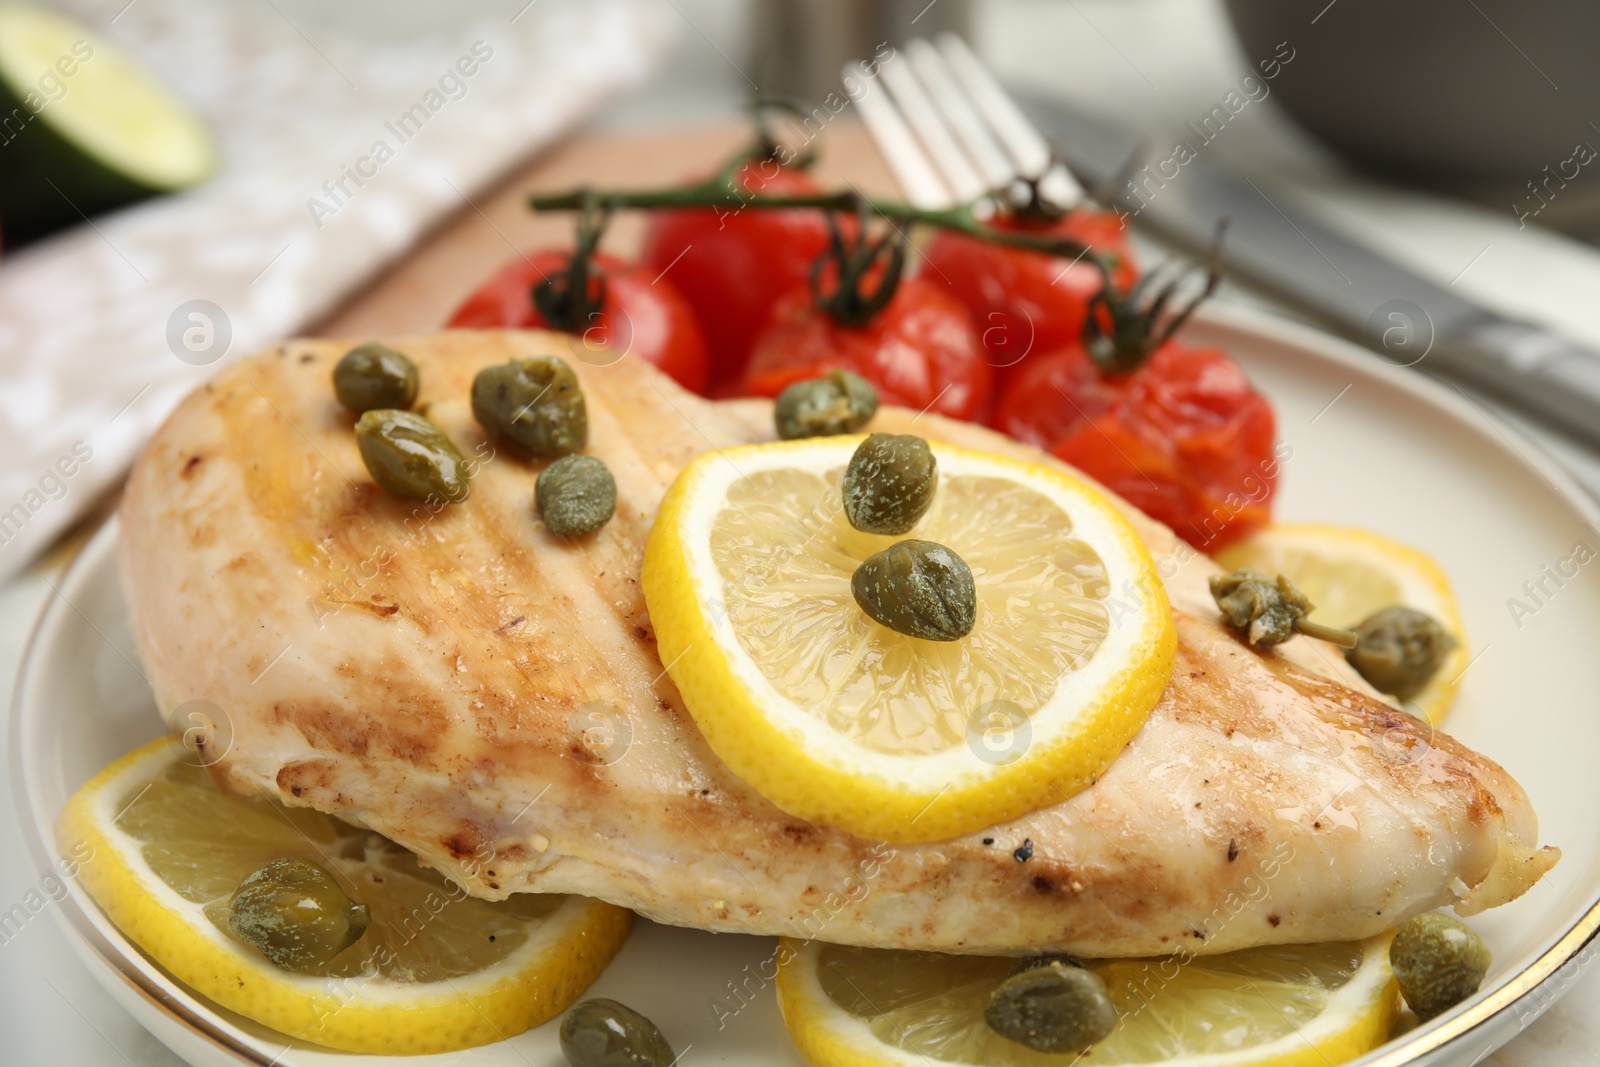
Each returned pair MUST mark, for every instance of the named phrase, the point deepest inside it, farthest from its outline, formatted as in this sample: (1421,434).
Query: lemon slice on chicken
(434,971)
(840,720)
(1350,574)
(1283,1006)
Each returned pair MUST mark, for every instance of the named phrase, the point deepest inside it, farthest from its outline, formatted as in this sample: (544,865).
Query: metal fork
(950,133)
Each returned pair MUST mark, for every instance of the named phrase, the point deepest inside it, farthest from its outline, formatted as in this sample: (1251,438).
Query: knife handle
(1530,368)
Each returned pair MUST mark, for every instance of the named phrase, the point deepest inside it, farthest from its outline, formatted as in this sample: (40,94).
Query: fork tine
(1011,127)
(925,120)
(940,81)
(917,177)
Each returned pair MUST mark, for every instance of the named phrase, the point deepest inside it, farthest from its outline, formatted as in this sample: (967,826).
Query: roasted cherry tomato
(1023,301)
(640,315)
(920,351)
(1049,395)
(1185,437)
(732,265)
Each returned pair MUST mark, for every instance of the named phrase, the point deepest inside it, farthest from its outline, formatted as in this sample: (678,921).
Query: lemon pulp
(786,552)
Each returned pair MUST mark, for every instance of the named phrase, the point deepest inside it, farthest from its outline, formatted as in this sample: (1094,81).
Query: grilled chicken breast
(491,698)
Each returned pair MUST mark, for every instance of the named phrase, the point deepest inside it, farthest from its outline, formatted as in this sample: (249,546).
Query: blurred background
(237,178)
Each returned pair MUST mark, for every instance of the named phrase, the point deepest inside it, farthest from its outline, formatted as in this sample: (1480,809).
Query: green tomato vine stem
(1134,325)
(721,192)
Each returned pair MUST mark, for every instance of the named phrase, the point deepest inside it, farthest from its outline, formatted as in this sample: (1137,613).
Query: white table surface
(1147,62)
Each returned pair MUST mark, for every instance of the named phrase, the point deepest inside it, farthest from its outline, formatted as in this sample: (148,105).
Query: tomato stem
(1036,209)
(1121,330)
(722,194)
(854,260)
(767,148)
(569,299)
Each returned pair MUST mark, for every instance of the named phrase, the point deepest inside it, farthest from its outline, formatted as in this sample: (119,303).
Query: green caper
(411,457)
(918,588)
(889,483)
(535,402)
(374,376)
(576,495)
(1438,961)
(1269,611)
(1055,1008)
(1398,650)
(295,914)
(603,1033)
(840,402)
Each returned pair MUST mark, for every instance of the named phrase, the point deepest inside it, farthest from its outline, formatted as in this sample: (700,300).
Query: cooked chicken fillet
(437,677)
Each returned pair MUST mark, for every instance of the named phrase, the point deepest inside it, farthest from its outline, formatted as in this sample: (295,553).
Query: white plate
(1373,446)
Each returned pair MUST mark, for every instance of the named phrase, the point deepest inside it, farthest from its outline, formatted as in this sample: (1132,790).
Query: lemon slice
(1285,1006)
(435,971)
(837,719)
(1351,573)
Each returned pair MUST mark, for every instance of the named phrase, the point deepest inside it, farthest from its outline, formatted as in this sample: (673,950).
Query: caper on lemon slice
(889,483)
(849,676)
(1400,650)
(1279,1006)
(1351,574)
(918,588)
(321,930)
(1056,1007)
(295,914)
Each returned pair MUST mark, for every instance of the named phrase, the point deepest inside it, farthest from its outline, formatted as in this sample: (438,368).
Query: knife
(1405,318)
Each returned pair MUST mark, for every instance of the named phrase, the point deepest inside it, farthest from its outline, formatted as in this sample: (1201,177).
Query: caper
(295,914)
(840,402)
(1055,1008)
(535,402)
(603,1033)
(918,588)
(889,483)
(1438,961)
(1269,611)
(576,495)
(411,457)
(1398,650)
(374,376)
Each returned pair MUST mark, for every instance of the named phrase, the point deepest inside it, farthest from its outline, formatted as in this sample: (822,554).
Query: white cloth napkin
(104,328)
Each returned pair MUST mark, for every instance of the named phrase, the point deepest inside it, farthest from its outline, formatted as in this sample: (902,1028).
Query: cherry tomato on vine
(1024,301)
(1051,393)
(920,350)
(1185,437)
(732,265)
(639,315)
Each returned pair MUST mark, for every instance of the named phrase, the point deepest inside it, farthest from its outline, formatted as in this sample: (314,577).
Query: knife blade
(1405,318)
